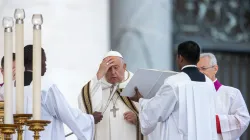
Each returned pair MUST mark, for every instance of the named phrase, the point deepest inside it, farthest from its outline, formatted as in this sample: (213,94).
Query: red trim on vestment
(218,124)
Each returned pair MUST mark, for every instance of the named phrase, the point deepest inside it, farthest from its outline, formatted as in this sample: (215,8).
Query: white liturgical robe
(110,128)
(232,111)
(156,134)
(184,108)
(1,93)
(55,108)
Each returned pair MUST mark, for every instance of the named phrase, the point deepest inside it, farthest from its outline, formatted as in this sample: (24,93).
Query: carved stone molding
(221,20)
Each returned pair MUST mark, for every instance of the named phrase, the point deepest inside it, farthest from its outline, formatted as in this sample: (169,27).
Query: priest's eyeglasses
(205,68)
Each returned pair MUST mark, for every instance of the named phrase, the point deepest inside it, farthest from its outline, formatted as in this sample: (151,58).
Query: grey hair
(122,60)
(213,60)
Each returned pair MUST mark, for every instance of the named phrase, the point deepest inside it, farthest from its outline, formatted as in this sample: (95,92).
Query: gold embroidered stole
(132,106)
(86,97)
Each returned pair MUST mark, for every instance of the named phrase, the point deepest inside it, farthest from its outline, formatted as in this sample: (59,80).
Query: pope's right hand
(97,117)
(104,66)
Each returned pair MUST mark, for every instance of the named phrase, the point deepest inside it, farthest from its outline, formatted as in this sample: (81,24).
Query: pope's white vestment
(111,127)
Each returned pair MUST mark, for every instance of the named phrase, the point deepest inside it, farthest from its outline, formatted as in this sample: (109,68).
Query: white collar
(188,66)
(215,80)
(29,70)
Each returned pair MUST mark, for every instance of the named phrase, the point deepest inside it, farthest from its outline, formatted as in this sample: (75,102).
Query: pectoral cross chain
(114,110)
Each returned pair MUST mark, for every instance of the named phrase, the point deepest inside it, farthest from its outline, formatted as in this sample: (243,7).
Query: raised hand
(104,66)
(137,95)
(130,117)
(97,117)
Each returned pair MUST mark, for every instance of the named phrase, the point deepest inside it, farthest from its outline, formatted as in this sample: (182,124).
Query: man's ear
(181,59)
(2,71)
(216,68)
(125,66)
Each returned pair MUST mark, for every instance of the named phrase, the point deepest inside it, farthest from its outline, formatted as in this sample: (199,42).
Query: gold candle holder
(1,118)
(20,120)
(8,130)
(36,126)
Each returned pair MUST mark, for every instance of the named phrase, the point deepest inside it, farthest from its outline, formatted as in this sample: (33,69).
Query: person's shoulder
(131,73)
(46,83)
(127,78)
(177,78)
(231,90)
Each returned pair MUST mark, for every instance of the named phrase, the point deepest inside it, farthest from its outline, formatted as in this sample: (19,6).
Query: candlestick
(19,16)
(20,120)
(37,21)
(8,84)
(37,126)
(1,118)
(8,130)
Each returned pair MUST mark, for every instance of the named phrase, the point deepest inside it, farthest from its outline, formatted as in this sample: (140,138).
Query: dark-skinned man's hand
(137,95)
(97,117)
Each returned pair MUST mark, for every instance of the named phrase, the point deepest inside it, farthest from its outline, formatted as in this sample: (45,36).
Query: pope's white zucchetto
(113,53)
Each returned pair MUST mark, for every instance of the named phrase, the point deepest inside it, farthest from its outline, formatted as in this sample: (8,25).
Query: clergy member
(102,93)
(184,104)
(28,64)
(232,117)
(56,109)
(13,74)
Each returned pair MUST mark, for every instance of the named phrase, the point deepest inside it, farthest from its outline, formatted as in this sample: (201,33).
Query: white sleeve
(234,124)
(156,109)
(80,103)
(80,123)
(2,93)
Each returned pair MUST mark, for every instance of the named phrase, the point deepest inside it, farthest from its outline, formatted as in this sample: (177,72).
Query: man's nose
(113,70)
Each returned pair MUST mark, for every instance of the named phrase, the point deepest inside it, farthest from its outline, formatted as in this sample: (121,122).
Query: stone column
(142,31)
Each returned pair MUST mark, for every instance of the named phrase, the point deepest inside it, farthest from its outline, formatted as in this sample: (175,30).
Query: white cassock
(56,109)
(110,128)
(232,111)
(184,108)
(2,93)
(156,133)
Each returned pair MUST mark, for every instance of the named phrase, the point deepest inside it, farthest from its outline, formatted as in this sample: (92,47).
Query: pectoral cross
(114,110)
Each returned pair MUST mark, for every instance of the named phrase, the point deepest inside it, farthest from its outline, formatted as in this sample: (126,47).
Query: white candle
(8,84)
(19,16)
(37,21)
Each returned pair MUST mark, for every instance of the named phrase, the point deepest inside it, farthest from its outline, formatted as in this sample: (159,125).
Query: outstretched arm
(156,109)
(80,123)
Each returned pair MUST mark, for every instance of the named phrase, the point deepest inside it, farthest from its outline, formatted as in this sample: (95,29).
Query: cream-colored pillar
(142,31)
